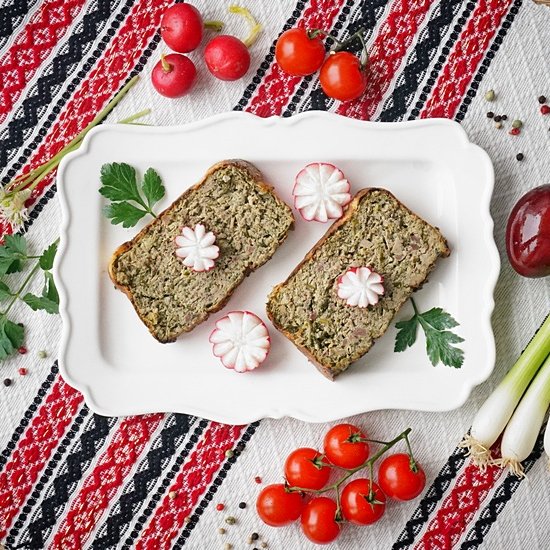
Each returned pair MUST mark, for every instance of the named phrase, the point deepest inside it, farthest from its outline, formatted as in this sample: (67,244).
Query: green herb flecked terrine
(376,231)
(249,222)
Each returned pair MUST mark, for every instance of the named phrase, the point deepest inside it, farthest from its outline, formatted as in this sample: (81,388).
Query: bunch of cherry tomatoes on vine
(362,501)
(298,52)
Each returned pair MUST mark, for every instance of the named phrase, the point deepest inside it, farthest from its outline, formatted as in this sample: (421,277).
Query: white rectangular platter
(430,165)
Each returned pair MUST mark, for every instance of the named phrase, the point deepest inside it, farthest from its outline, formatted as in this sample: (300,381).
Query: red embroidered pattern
(193,480)
(98,88)
(35,43)
(277,87)
(464,59)
(34,450)
(458,508)
(386,55)
(103,482)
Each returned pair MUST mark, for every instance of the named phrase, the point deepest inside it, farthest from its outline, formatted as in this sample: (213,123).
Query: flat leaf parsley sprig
(14,258)
(128,202)
(439,340)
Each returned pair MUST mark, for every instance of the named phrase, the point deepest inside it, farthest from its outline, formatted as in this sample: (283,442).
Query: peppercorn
(254,536)
(520,156)
(220,507)
(490,95)
(228,546)
(42,354)
(545,109)
(498,125)
(22,350)
(517,123)
(23,371)
(230,520)
(229,453)
(515,132)
(490,114)
(172,495)
(242,505)
(221,531)
(542,99)
(7,382)
(504,117)
(497,118)
(263,544)
(258,479)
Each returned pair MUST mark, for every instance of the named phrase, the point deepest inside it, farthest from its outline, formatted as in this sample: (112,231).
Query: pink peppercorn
(515,132)
(22,371)
(220,507)
(545,109)
(258,479)
(22,350)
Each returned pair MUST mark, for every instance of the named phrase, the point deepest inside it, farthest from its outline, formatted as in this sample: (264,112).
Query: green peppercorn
(517,123)
(490,95)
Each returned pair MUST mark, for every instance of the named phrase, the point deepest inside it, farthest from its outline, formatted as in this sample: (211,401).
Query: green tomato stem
(255,27)
(216,26)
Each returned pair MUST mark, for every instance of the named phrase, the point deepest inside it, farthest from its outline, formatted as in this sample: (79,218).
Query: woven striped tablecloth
(71,479)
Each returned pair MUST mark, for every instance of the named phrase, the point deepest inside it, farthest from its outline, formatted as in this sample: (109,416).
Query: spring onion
(497,410)
(521,432)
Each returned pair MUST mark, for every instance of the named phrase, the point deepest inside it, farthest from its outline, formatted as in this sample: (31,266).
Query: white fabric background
(519,74)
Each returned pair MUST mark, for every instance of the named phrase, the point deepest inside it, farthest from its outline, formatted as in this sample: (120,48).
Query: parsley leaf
(46,260)
(12,254)
(5,291)
(49,301)
(439,341)
(152,187)
(11,337)
(128,204)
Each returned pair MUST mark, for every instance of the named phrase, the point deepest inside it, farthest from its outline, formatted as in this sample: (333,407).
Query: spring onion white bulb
(521,432)
(495,413)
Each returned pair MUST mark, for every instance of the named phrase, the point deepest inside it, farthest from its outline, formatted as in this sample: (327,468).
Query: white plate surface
(430,165)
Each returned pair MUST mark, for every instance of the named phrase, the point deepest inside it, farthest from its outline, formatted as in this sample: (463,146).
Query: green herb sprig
(14,258)
(439,340)
(128,202)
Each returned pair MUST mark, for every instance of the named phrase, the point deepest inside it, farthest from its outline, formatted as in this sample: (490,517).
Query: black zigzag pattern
(46,476)
(445,51)
(430,500)
(222,474)
(11,16)
(155,498)
(66,480)
(266,63)
(370,12)
(51,80)
(486,63)
(502,495)
(137,491)
(27,417)
(417,65)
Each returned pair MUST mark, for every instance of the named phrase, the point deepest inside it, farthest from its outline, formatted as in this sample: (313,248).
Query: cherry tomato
(298,54)
(302,469)
(342,76)
(174,75)
(342,447)
(277,507)
(181,27)
(359,506)
(319,520)
(398,480)
(227,57)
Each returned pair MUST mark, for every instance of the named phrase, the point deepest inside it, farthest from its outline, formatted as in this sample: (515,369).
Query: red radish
(196,247)
(360,286)
(320,192)
(174,75)
(241,340)
(181,28)
(227,57)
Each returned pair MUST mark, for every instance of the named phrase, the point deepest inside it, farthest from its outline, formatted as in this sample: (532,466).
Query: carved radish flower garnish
(241,341)
(360,286)
(196,248)
(320,192)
